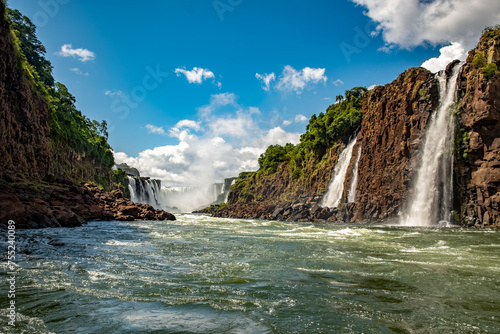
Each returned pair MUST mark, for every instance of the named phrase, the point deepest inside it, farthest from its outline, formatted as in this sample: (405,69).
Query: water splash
(354,183)
(432,196)
(336,188)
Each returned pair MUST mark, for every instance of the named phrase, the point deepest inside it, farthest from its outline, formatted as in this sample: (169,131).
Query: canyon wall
(395,117)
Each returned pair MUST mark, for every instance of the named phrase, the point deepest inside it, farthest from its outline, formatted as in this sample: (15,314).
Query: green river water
(206,275)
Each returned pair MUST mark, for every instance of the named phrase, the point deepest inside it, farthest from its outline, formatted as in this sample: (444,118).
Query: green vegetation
(492,32)
(490,70)
(120,179)
(462,144)
(423,94)
(478,61)
(322,132)
(69,129)
(304,164)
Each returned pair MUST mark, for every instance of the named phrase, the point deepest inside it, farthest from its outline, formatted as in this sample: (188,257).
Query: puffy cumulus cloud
(186,123)
(409,23)
(455,23)
(222,147)
(266,80)
(155,129)
(293,80)
(82,55)
(197,75)
(447,55)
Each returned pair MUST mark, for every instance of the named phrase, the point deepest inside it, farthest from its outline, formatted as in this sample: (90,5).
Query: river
(206,275)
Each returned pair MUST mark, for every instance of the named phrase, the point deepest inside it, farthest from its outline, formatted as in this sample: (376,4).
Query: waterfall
(145,190)
(336,188)
(228,189)
(431,200)
(351,197)
(188,199)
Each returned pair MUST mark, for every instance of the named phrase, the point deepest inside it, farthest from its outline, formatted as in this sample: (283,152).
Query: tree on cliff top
(31,47)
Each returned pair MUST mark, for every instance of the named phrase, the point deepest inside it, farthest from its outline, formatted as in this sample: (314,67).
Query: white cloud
(216,101)
(223,147)
(113,92)
(83,55)
(447,55)
(409,23)
(186,123)
(298,119)
(373,86)
(77,71)
(197,75)
(266,80)
(293,80)
(301,118)
(155,129)
(338,82)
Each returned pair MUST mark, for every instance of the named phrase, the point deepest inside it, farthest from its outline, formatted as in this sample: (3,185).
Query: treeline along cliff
(389,123)
(47,146)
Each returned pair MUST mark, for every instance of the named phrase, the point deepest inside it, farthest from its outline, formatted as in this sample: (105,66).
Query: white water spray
(336,188)
(351,197)
(431,200)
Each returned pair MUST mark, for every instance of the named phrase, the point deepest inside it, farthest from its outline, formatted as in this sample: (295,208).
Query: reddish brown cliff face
(478,168)
(24,132)
(393,126)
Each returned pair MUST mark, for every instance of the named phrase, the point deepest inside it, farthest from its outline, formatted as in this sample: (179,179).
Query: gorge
(428,153)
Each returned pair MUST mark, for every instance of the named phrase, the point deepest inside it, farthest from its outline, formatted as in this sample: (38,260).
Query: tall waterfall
(432,197)
(351,197)
(336,188)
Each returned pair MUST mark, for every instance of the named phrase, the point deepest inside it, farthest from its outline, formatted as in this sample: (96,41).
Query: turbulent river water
(205,275)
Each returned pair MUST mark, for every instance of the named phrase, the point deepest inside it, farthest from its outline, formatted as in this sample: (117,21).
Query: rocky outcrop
(72,206)
(394,119)
(477,173)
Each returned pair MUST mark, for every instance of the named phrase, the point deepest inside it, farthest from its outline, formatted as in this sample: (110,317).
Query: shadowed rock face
(24,131)
(477,175)
(394,120)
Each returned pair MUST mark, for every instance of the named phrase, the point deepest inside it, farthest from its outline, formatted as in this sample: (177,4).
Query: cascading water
(336,188)
(146,191)
(177,199)
(351,197)
(431,200)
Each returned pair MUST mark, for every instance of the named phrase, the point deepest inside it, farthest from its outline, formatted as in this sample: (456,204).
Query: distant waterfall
(431,200)
(177,199)
(144,190)
(188,199)
(351,197)
(336,188)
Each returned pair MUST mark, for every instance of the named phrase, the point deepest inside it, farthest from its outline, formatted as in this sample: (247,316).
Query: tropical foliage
(68,127)
(322,133)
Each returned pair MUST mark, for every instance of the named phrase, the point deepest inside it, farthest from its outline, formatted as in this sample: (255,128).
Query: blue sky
(177,80)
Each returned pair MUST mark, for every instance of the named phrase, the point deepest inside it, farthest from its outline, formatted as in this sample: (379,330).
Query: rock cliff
(40,175)
(395,117)
(477,173)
